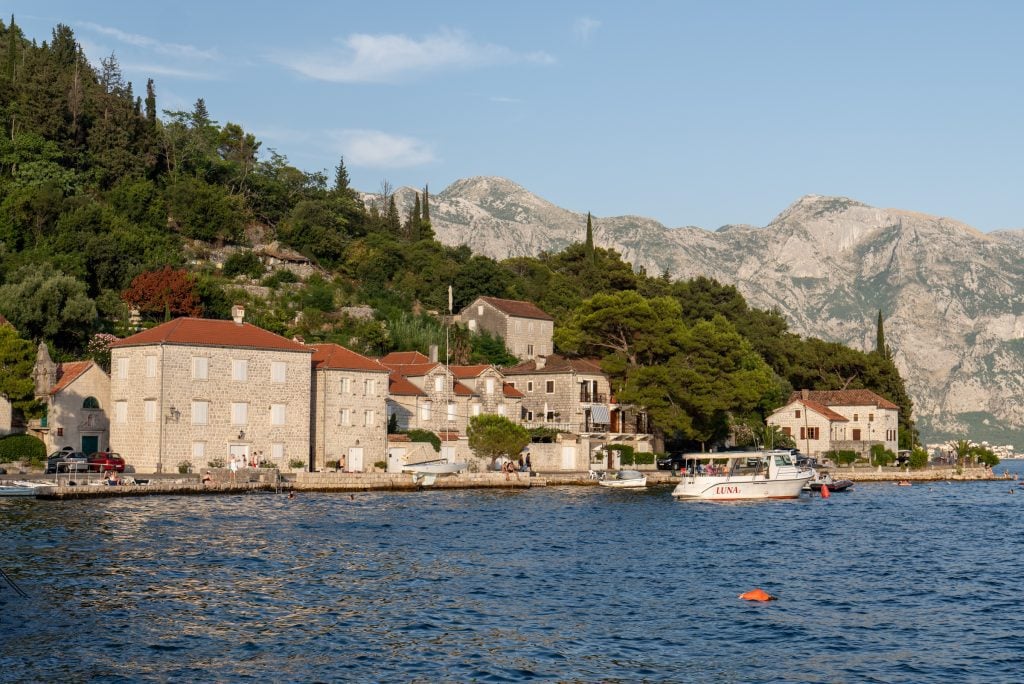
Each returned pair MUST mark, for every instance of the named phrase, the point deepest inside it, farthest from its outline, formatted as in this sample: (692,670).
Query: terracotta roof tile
(404,358)
(334,356)
(399,438)
(519,309)
(511,392)
(854,397)
(464,372)
(461,390)
(204,332)
(398,385)
(556,364)
(822,410)
(414,369)
(68,372)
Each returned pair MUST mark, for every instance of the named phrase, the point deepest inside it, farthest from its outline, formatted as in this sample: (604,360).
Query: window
(345,417)
(149,410)
(471,324)
(151,366)
(511,384)
(855,434)
(474,410)
(788,431)
(122,368)
(200,368)
(451,410)
(90,403)
(239,413)
(519,326)
(797,413)
(501,409)
(198,451)
(551,416)
(871,417)
(480,310)
(368,418)
(346,385)
(529,350)
(278,371)
(856,417)
(809,433)
(200,412)
(425,411)
(438,383)
(550,386)
(529,327)
(529,416)
(121,412)
(489,385)
(369,387)
(277,451)
(529,386)
(277,414)
(239,370)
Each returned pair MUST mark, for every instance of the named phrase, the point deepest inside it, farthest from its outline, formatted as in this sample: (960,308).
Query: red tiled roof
(404,358)
(514,307)
(463,372)
(511,392)
(68,372)
(398,385)
(556,364)
(822,410)
(854,397)
(204,332)
(334,356)
(416,369)
(449,436)
(399,438)
(461,390)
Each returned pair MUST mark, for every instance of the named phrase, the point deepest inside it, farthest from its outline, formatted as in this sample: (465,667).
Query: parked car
(670,462)
(64,461)
(102,461)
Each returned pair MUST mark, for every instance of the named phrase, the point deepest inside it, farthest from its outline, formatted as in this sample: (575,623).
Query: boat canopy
(629,475)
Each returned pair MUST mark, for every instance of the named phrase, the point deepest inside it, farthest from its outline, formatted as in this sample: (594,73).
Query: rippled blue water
(883,583)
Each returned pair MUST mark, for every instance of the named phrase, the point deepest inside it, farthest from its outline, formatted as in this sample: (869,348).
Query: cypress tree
(589,245)
(392,222)
(150,103)
(415,221)
(426,204)
(881,348)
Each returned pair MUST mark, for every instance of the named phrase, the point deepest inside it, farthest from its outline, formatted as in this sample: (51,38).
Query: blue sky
(691,113)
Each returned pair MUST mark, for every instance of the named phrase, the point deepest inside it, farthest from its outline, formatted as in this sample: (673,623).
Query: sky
(690,113)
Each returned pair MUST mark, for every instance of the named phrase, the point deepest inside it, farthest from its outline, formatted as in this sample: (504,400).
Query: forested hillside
(108,203)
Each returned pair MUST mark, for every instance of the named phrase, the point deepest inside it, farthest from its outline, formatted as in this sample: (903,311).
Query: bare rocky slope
(952,297)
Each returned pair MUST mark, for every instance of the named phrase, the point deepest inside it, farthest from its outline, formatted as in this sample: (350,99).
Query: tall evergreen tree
(341,179)
(392,221)
(426,229)
(590,239)
(881,348)
(150,102)
(413,226)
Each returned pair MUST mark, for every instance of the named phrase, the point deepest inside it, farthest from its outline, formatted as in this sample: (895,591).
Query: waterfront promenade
(255,480)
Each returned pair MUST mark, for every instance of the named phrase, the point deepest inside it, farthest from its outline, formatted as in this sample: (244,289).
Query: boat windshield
(784,458)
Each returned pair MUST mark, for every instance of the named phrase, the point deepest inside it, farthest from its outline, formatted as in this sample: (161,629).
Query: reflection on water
(565,583)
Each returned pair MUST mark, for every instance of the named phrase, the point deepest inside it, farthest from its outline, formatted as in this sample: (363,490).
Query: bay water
(881,583)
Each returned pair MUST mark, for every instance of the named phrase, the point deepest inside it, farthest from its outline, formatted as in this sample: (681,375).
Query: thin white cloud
(505,100)
(159,70)
(364,58)
(169,49)
(584,27)
(377,149)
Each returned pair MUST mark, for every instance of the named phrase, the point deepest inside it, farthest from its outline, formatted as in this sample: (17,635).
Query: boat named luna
(741,475)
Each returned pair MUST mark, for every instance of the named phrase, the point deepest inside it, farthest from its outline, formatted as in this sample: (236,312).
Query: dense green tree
(48,306)
(492,436)
(17,359)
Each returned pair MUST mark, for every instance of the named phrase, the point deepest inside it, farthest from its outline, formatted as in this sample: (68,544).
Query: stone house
(76,396)
(192,391)
(349,408)
(490,393)
(846,420)
(526,329)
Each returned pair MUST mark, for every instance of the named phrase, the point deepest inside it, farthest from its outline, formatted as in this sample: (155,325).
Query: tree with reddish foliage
(167,291)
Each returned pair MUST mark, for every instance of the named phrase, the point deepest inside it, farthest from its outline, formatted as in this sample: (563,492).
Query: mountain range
(952,297)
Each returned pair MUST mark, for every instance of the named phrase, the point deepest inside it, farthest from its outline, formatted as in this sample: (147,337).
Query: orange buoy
(824,491)
(756,595)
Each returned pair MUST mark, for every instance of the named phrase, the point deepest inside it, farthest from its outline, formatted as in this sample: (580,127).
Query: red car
(102,461)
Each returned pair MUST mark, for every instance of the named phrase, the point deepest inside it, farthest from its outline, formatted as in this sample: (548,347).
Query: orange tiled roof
(461,390)
(404,358)
(398,385)
(556,364)
(415,369)
(511,392)
(204,332)
(823,410)
(854,397)
(519,309)
(68,372)
(334,356)
(463,372)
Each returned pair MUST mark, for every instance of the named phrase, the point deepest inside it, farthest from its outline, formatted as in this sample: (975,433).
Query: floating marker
(757,595)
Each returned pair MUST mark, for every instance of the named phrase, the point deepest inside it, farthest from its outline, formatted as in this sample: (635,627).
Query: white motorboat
(20,488)
(624,479)
(741,475)
(436,467)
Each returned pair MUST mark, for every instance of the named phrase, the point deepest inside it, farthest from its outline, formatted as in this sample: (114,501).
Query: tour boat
(624,479)
(741,475)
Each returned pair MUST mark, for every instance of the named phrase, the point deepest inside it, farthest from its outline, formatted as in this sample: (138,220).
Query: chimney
(433,353)
(299,338)
(805,394)
(540,361)
(238,314)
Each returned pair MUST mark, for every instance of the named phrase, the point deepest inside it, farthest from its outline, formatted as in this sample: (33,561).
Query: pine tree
(150,102)
(392,222)
(341,180)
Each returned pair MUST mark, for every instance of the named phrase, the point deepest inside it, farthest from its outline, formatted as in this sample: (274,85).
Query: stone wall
(337,434)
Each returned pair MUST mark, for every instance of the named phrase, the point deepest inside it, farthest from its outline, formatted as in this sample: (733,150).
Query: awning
(599,415)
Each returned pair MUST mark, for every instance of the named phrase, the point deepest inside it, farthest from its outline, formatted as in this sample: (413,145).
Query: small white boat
(741,475)
(436,467)
(624,479)
(19,488)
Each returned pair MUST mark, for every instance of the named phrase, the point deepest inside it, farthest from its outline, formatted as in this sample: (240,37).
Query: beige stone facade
(526,329)
(77,412)
(349,409)
(851,420)
(197,391)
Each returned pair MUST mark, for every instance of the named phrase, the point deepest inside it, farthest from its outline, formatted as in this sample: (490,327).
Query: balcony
(39,424)
(593,398)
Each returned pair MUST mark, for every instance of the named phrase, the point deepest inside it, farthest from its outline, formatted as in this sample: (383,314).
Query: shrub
(268,464)
(278,277)
(918,458)
(543,435)
(184,467)
(881,456)
(627,455)
(644,457)
(296,463)
(842,457)
(245,262)
(215,463)
(380,465)
(22,448)
(333,465)
(425,436)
